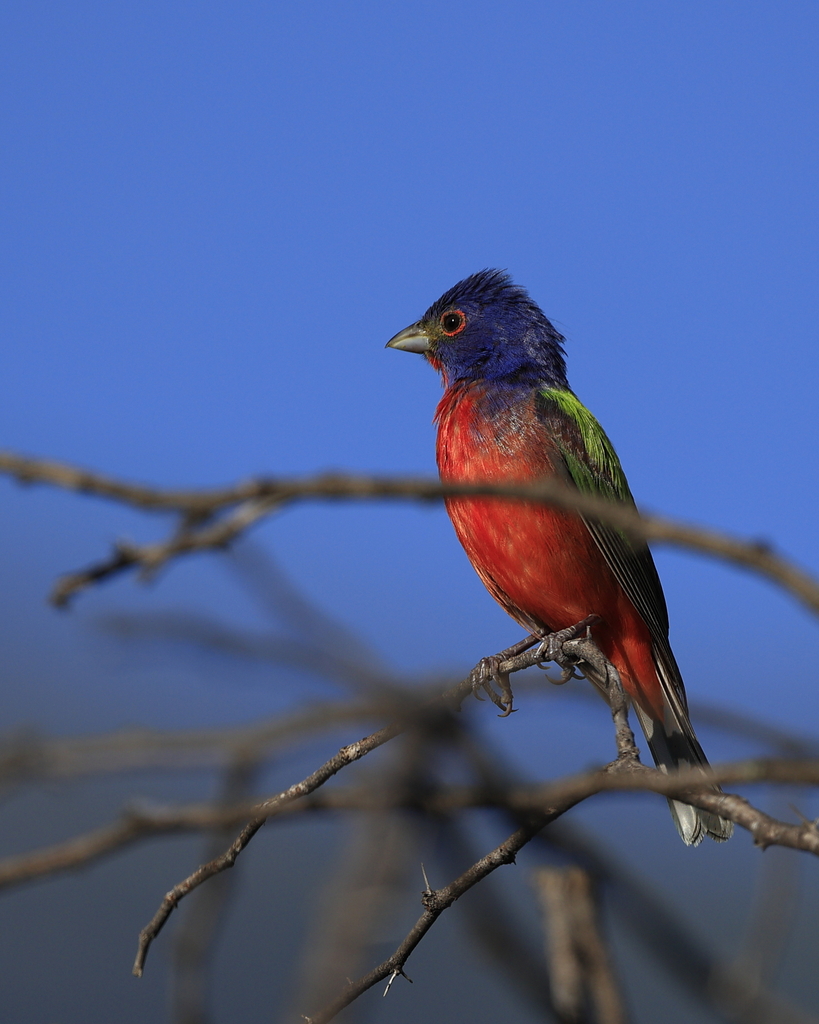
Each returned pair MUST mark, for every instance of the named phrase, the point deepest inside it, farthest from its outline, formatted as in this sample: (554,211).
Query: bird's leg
(488,670)
(551,648)
(491,670)
(611,685)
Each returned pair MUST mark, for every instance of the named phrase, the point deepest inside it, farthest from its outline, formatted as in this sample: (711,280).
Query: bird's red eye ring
(453,322)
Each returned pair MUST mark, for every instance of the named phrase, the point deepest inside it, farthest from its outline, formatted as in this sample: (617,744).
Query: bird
(509,415)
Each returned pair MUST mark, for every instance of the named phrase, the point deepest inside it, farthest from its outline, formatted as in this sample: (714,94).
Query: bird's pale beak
(412,339)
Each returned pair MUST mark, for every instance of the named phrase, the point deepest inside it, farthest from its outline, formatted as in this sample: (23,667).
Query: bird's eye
(453,322)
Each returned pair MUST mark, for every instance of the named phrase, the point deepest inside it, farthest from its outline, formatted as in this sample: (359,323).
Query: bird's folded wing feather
(594,468)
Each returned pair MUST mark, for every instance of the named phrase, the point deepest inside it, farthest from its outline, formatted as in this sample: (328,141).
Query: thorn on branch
(397,973)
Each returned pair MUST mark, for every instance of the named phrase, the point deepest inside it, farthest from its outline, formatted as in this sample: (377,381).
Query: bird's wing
(594,468)
(592,465)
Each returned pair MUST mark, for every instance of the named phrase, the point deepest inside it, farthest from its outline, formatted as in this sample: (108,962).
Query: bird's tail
(671,748)
(673,744)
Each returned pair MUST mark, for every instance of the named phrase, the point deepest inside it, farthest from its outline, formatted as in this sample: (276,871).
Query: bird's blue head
(488,329)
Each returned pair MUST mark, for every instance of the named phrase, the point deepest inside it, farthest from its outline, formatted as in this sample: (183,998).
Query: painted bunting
(508,414)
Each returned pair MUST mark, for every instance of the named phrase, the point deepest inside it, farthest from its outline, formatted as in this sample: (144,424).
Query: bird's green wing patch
(594,468)
(589,455)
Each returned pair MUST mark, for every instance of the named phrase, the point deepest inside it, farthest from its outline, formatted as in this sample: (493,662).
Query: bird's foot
(489,671)
(551,649)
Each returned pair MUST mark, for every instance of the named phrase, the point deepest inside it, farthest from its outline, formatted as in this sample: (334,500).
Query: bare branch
(347,755)
(84,849)
(368,879)
(494,925)
(29,758)
(140,823)
(151,557)
(762,730)
(435,903)
(257,498)
(731,993)
(625,773)
(559,799)
(768,928)
(28,470)
(199,931)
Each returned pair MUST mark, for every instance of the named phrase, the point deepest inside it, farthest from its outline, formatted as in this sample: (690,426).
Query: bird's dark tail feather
(672,749)
(673,745)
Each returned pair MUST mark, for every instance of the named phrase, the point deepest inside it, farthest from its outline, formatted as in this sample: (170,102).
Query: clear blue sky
(215,215)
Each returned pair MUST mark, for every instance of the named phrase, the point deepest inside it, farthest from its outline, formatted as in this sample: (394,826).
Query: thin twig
(495,926)
(774,905)
(28,758)
(199,930)
(353,657)
(766,831)
(562,798)
(292,651)
(435,903)
(346,756)
(727,992)
(151,557)
(730,993)
(367,879)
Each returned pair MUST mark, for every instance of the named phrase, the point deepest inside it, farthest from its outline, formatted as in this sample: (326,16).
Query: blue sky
(215,215)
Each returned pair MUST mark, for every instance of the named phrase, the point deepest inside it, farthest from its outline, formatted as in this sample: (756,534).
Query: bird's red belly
(541,564)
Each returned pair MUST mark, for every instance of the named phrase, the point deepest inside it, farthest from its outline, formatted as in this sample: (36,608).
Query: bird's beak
(412,339)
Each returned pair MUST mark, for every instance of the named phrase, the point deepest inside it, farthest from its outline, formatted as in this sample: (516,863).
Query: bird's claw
(489,671)
(551,650)
(484,675)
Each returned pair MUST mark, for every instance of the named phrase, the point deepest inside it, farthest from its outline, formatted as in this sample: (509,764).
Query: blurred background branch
(387,808)
(258,498)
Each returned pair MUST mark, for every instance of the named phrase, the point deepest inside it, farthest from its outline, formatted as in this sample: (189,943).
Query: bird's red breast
(541,564)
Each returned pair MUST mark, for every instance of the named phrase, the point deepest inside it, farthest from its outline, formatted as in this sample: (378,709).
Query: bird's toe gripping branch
(497,668)
(487,672)
(551,649)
